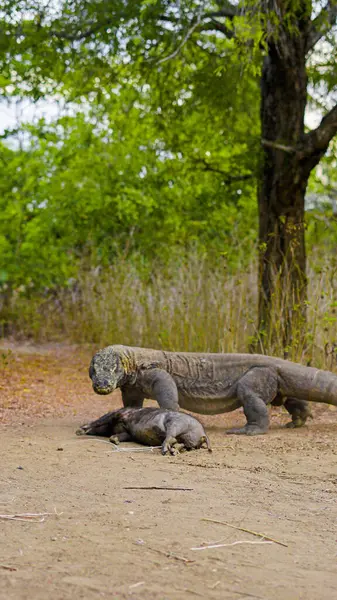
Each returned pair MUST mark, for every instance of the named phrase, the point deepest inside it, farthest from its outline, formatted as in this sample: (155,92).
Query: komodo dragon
(213,383)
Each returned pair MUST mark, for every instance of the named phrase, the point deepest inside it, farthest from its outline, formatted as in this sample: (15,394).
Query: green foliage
(322,207)
(91,189)
(121,179)
(156,159)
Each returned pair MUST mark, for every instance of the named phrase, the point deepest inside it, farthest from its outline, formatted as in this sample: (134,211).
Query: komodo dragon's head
(106,370)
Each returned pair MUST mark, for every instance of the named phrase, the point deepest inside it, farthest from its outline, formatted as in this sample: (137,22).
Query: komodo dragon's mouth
(103,390)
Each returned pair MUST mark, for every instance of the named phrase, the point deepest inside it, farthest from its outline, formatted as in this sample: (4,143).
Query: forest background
(132,216)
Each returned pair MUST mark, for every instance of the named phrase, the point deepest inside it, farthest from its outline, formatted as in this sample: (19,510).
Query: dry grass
(191,306)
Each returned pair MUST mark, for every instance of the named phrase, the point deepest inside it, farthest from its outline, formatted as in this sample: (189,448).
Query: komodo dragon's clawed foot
(299,411)
(84,430)
(298,422)
(170,445)
(247,430)
(179,448)
(114,439)
(294,424)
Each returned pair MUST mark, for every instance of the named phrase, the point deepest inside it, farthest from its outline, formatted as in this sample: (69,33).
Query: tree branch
(232,178)
(182,43)
(194,24)
(316,142)
(215,25)
(75,37)
(230,12)
(227,178)
(322,24)
(91,28)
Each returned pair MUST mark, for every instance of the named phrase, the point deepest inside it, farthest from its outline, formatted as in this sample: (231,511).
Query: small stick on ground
(29,517)
(15,518)
(231,544)
(135,585)
(93,439)
(8,568)
(169,554)
(157,487)
(262,535)
(214,585)
(189,591)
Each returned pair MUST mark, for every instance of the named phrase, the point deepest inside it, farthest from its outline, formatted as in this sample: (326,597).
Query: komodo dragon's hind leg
(299,411)
(256,389)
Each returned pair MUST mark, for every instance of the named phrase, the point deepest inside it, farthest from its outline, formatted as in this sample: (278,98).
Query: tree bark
(289,155)
(283,182)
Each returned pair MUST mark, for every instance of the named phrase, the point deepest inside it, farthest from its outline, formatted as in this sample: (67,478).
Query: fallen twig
(169,554)
(25,520)
(157,487)
(214,585)
(29,517)
(8,568)
(189,591)
(92,439)
(231,544)
(262,535)
(135,585)
(133,448)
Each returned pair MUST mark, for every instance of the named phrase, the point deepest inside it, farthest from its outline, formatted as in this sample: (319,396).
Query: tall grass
(192,306)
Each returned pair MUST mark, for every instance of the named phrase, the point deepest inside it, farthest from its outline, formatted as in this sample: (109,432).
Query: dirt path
(104,540)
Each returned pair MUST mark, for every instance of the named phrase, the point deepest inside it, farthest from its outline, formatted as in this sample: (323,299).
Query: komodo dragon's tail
(205,442)
(307,383)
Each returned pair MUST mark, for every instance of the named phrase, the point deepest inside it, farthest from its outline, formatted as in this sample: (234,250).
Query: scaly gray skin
(213,383)
(150,426)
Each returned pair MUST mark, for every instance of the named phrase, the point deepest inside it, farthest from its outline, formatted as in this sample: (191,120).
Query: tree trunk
(283,182)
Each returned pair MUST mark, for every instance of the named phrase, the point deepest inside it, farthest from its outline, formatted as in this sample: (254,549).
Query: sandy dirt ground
(104,538)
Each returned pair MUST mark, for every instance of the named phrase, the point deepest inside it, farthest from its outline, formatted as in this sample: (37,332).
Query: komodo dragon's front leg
(256,389)
(156,384)
(132,397)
